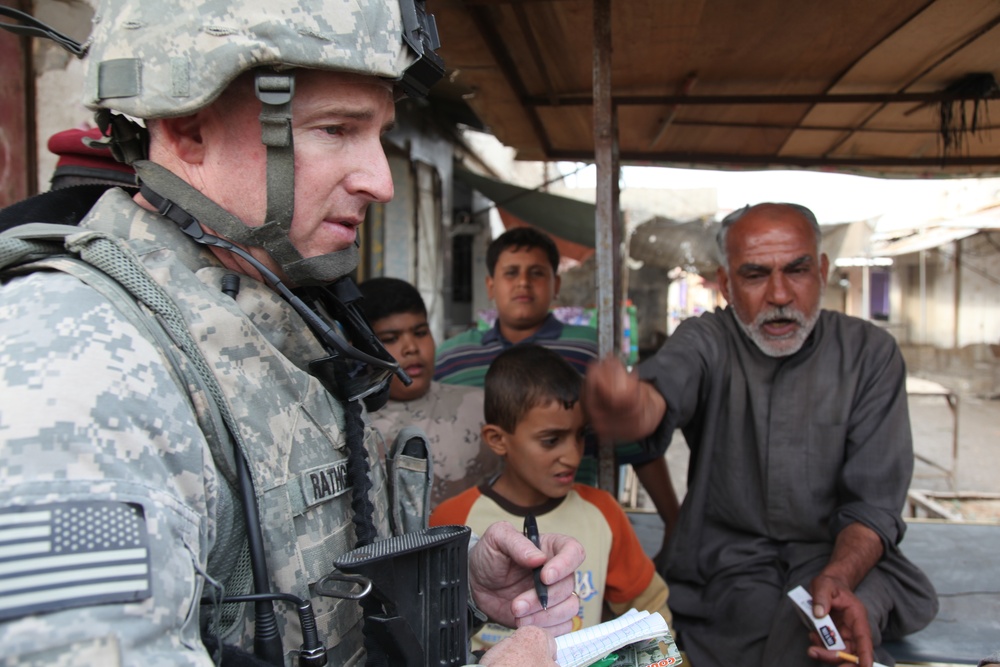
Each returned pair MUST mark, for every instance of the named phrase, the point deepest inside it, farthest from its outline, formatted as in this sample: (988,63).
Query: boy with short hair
(450,416)
(522,280)
(535,422)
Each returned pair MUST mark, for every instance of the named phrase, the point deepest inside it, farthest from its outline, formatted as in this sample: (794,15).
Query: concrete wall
(963,353)
(419,219)
(930,319)
(979,311)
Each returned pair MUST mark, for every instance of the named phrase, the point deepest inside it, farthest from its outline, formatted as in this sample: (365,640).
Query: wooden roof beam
(683,89)
(972,37)
(534,50)
(494,42)
(643,157)
(730,100)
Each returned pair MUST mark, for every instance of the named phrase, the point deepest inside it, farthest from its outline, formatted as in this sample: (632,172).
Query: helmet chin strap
(300,271)
(275,91)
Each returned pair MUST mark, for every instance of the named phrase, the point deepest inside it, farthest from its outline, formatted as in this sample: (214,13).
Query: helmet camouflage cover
(152,59)
(163,58)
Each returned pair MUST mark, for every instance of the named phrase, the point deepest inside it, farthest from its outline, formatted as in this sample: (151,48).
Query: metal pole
(958,292)
(866,292)
(923,297)
(607,180)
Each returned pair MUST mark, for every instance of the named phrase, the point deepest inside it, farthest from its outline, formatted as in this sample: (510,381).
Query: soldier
(160,436)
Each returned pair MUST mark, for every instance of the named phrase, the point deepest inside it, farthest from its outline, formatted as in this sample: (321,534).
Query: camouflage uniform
(452,418)
(116,416)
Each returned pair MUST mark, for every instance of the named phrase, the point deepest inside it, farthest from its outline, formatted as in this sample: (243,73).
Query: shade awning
(923,240)
(569,219)
(878,87)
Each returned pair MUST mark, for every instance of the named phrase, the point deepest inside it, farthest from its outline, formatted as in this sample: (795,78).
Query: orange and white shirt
(616,568)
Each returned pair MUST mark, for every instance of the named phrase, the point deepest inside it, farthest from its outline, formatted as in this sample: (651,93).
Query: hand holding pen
(531,532)
(503,563)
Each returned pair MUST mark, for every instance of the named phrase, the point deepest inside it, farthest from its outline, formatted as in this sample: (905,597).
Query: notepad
(590,644)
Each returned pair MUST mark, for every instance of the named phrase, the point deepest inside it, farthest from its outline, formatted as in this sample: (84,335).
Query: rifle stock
(421,581)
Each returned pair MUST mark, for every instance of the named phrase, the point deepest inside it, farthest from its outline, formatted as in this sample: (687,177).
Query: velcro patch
(62,555)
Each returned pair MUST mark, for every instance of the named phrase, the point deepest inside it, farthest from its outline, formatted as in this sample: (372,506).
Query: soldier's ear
(495,438)
(182,136)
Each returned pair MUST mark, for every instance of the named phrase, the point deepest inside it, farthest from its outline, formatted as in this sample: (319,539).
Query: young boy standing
(535,422)
(523,280)
(450,416)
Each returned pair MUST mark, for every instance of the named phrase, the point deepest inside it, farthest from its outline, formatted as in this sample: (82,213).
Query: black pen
(531,532)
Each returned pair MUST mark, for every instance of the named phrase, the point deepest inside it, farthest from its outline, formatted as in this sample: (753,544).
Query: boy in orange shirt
(535,422)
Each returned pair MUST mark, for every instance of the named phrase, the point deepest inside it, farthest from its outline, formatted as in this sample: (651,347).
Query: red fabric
(455,510)
(630,570)
(567,249)
(72,152)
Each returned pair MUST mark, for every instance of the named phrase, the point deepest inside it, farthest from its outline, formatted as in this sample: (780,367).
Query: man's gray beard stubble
(792,344)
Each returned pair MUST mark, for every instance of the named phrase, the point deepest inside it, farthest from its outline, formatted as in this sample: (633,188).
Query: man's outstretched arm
(621,407)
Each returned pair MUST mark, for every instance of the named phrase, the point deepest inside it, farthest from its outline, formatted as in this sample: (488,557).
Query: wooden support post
(606,226)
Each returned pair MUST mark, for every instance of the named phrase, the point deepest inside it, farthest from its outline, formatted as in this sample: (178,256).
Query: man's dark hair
(524,377)
(522,237)
(384,297)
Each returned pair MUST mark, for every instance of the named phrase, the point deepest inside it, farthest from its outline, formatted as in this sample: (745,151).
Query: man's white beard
(785,345)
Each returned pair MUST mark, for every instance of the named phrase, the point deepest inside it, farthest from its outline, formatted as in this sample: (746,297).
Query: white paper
(590,644)
(824,626)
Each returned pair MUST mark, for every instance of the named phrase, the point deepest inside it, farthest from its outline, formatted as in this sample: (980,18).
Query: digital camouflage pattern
(172,57)
(452,418)
(91,408)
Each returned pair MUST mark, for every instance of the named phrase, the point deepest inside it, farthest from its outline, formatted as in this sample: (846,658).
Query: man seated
(535,421)
(801,456)
(451,416)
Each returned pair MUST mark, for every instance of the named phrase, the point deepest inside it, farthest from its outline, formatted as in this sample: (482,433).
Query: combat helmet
(151,59)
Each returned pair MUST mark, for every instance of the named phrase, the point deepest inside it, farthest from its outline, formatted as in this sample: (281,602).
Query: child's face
(542,454)
(523,286)
(408,339)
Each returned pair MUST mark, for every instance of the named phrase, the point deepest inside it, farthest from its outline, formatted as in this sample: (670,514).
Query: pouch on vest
(410,471)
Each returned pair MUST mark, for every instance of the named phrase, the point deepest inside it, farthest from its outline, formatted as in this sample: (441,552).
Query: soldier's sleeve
(106,487)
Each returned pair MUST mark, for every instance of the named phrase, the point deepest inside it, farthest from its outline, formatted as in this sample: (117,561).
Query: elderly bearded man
(801,456)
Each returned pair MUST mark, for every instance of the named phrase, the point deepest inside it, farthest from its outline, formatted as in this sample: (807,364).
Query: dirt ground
(986,511)
(975,464)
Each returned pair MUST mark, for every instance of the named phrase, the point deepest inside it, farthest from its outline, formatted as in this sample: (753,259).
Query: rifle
(421,583)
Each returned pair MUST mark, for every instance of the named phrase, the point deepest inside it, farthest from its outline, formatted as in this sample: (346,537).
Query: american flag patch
(63,555)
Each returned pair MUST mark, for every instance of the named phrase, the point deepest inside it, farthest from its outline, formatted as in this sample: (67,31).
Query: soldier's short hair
(524,377)
(385,297)
(518,238)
